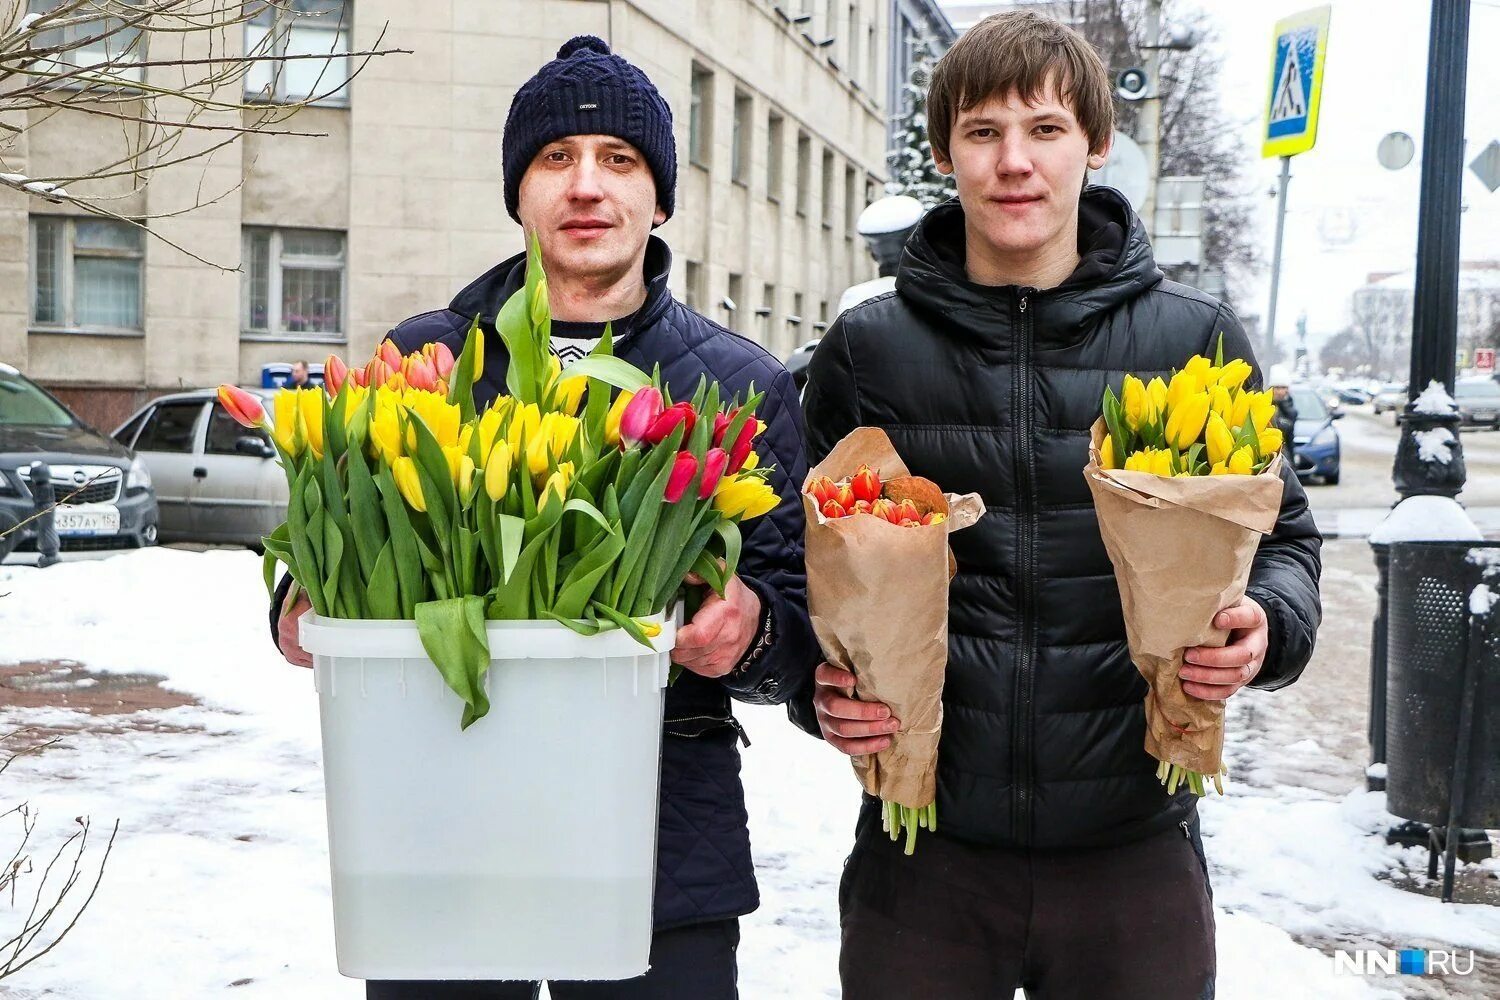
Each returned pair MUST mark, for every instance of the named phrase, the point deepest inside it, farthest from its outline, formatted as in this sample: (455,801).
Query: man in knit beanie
(590,167)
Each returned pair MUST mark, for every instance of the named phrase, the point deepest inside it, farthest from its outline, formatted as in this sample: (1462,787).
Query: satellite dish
(1126,170)
(1396,150)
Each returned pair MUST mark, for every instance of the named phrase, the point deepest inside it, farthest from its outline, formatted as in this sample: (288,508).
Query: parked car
(1315,443)
(798,360)
(1391,397)
(110,502)
(215,480)
(1354,395)
(1478,401)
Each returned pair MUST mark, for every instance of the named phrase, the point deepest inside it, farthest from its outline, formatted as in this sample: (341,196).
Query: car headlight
(139,477)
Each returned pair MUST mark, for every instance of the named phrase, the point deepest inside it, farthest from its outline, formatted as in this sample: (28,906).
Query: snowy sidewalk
(218,884)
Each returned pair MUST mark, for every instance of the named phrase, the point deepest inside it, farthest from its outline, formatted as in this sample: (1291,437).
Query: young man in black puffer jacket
(1060,863)
(590,167)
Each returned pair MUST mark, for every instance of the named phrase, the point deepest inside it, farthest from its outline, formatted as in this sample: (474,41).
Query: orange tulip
(822,490)
(861,507)
(441,357)
(907,511)
(420,373)
(866,484)
(884,509)
(335,372)
(845,496)
(378,372)
(390,354)
(242,406)
(832,508)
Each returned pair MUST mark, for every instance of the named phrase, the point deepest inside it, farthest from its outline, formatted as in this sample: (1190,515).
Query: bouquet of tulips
(1190,464)
(876,543)
(553,503)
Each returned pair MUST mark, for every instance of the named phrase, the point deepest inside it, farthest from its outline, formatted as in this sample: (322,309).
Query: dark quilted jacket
(993,390)
(704,870)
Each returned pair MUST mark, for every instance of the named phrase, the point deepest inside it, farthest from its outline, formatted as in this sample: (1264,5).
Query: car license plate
(100,520)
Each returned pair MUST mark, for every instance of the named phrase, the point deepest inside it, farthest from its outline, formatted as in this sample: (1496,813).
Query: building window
(86,274)
(89,43)
(739,153)
(775,138)
(767,314)
(851,40)
(694,284)
(804,170)
(796,318)
(700,117)
(300,28)
(827,189)
(872,60)
(851,201)
(736,304)
(293,283)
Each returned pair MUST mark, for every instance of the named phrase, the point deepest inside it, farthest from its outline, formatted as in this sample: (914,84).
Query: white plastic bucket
(521,848)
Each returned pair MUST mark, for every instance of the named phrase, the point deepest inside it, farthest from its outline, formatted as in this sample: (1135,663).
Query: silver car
(215,480)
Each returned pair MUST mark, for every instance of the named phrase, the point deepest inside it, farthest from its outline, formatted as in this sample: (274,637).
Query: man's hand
(853,727)
(713,643)
(286,632)
(1215,674)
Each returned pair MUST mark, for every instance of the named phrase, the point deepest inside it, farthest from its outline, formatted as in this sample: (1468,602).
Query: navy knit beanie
(587,90)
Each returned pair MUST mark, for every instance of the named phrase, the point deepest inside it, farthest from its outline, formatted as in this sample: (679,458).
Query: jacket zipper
(1023,421)
(722,720)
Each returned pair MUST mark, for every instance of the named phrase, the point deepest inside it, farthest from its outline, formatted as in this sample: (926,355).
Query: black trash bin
(1443,685)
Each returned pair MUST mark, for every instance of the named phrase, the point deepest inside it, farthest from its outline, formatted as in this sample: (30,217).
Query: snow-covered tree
(912,170)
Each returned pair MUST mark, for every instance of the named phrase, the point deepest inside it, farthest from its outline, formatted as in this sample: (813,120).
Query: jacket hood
(486,294)
(1116,265)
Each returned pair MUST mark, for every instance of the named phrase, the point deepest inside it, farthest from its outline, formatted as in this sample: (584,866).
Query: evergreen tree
(912,170)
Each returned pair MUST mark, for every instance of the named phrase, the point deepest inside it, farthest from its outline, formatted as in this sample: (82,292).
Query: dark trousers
(959,921)
(687,963)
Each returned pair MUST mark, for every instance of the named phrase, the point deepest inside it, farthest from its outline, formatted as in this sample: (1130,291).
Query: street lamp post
(1434,343)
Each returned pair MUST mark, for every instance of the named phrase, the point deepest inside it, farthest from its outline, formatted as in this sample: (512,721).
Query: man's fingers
(858,748)
(1234,655)
(703,631)
(827,675)
(1209,692)
(1247,614)
(1215,676)
(839,707)
(849,729)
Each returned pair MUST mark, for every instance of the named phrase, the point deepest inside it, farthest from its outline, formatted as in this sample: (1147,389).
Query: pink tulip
(683,470)
(359,377)
(390,354)
(642,410)
(334,374)
(441,357)
(714,464)
(378,372)
(420,373)
(242,406)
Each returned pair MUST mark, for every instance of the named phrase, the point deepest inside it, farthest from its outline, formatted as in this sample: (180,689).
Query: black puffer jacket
(993,390)
(704,869)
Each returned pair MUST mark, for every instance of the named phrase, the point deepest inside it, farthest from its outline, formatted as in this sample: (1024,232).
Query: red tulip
(335,372)
(866,484)
(721,424)
(844,497)
(714,464)
(884,509)
(742,445)
(390,354)
(861,507)
(833,509)
(242,406)
(822,490)
(642,410)
(667,421)
(441,357)
(683,470)
(907,511)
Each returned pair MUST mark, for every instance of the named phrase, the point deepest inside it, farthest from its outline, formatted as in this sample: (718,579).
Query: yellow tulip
(570,394)
(752,461)
(540,305)
(1138,462)
(744,497)
(465,482)
(1200,368)
(1221,402)
(1185,420)
(455,457)
(1262,410)
(489,426)
(1161,463)
(385,429)
(1183,385)
(649,629)
(441,417)
(497,472)
(405,472)
(554,369)
(1219,470)
(1107,454)
(612,420)
(1242,462)
(524,421)
(1156,392)
(1234,374)
(1136,402)
(1240,412)
(559,482)
(1220,442)
(310,418)
(284,424)
(1270,441)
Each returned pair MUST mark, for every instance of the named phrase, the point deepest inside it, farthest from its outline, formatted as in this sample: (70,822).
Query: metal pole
(1434,339)
(1286,179)
(1150,122)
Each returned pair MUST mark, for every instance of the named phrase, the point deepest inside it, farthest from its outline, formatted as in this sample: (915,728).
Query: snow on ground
(219,875)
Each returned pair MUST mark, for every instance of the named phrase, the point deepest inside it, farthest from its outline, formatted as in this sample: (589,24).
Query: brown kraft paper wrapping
(878,598)
(1181,550)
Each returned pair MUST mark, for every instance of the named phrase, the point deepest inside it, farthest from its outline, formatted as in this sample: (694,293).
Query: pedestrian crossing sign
(1301,45)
